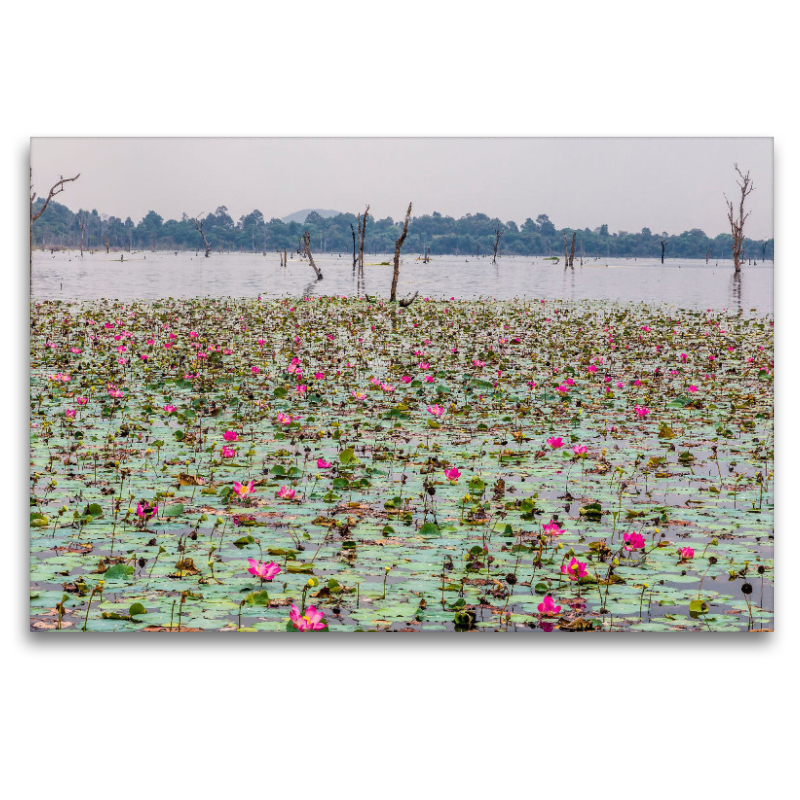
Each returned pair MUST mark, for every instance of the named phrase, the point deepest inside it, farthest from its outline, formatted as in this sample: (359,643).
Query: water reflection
(736,290)
(685,282)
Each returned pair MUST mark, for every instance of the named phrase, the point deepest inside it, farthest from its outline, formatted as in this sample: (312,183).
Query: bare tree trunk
(82,226)
(737,222)
(307,252)
(397,247)
(498,232)
(566,257)
(199,225)
(572,250)
(355,255)
(663,249)
(362,235)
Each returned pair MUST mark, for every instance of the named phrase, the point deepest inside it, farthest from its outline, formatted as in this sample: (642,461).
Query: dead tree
(307,253)
(362,235)
(737,222)
(427,258)
(198,223)
(83,219)
(108,247)
(396,275)
(663,249)
(57,188)
(355,255)
(498,232)
(572,250)
(281,256)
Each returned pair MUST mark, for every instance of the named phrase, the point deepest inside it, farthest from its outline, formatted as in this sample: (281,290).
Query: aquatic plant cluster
(335,464)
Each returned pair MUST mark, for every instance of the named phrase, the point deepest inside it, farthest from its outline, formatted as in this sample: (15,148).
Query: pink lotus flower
(284,419)
(555,442)
(633,541)
(548,607)
(580,449)
(70,413)
(423,365)
(301,388)
(642,411)
(437,411)
(230,436)
(551,528)
(193,334)
(684,357)
(228,452)
(359,395)
(387,387)
(323,464)
(686,553)
(452,474)
(75,350)
(243,489)
(146,512)
(429,379)
(575,569)
(81,401)
(406,379)
(477,363)
(255,370)
(168,409)
(310,621)
(286,493)
(266,570)
(692,388)
(319,376)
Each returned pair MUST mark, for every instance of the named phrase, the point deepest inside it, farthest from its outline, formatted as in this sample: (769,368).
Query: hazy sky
(665,184)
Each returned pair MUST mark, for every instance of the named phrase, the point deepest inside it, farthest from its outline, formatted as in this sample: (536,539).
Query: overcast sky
(667,185)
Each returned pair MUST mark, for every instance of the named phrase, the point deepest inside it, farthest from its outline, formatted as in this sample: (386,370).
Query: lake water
(149,275)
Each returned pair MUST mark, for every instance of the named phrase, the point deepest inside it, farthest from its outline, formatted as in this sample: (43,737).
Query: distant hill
(300,216)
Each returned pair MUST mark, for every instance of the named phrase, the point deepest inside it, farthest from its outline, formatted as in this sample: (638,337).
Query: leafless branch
(198,223)
(737,221)
(57,188)
(397,247)
(307,254)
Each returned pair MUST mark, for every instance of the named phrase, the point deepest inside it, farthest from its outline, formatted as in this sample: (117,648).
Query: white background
(358,716)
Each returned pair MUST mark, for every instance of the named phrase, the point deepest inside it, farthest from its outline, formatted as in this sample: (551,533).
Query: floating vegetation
(333,464)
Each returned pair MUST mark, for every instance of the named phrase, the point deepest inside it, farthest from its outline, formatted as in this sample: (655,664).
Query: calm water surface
(149,275)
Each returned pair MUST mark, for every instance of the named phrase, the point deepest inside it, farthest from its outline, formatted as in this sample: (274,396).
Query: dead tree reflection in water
(736,290)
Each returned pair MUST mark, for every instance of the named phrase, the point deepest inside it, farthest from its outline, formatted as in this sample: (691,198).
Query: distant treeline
(59,227)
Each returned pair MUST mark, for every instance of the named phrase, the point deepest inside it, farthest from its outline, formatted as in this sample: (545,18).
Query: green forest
(60,228)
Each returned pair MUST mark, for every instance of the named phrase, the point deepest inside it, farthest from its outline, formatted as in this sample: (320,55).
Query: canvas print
(401,385)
